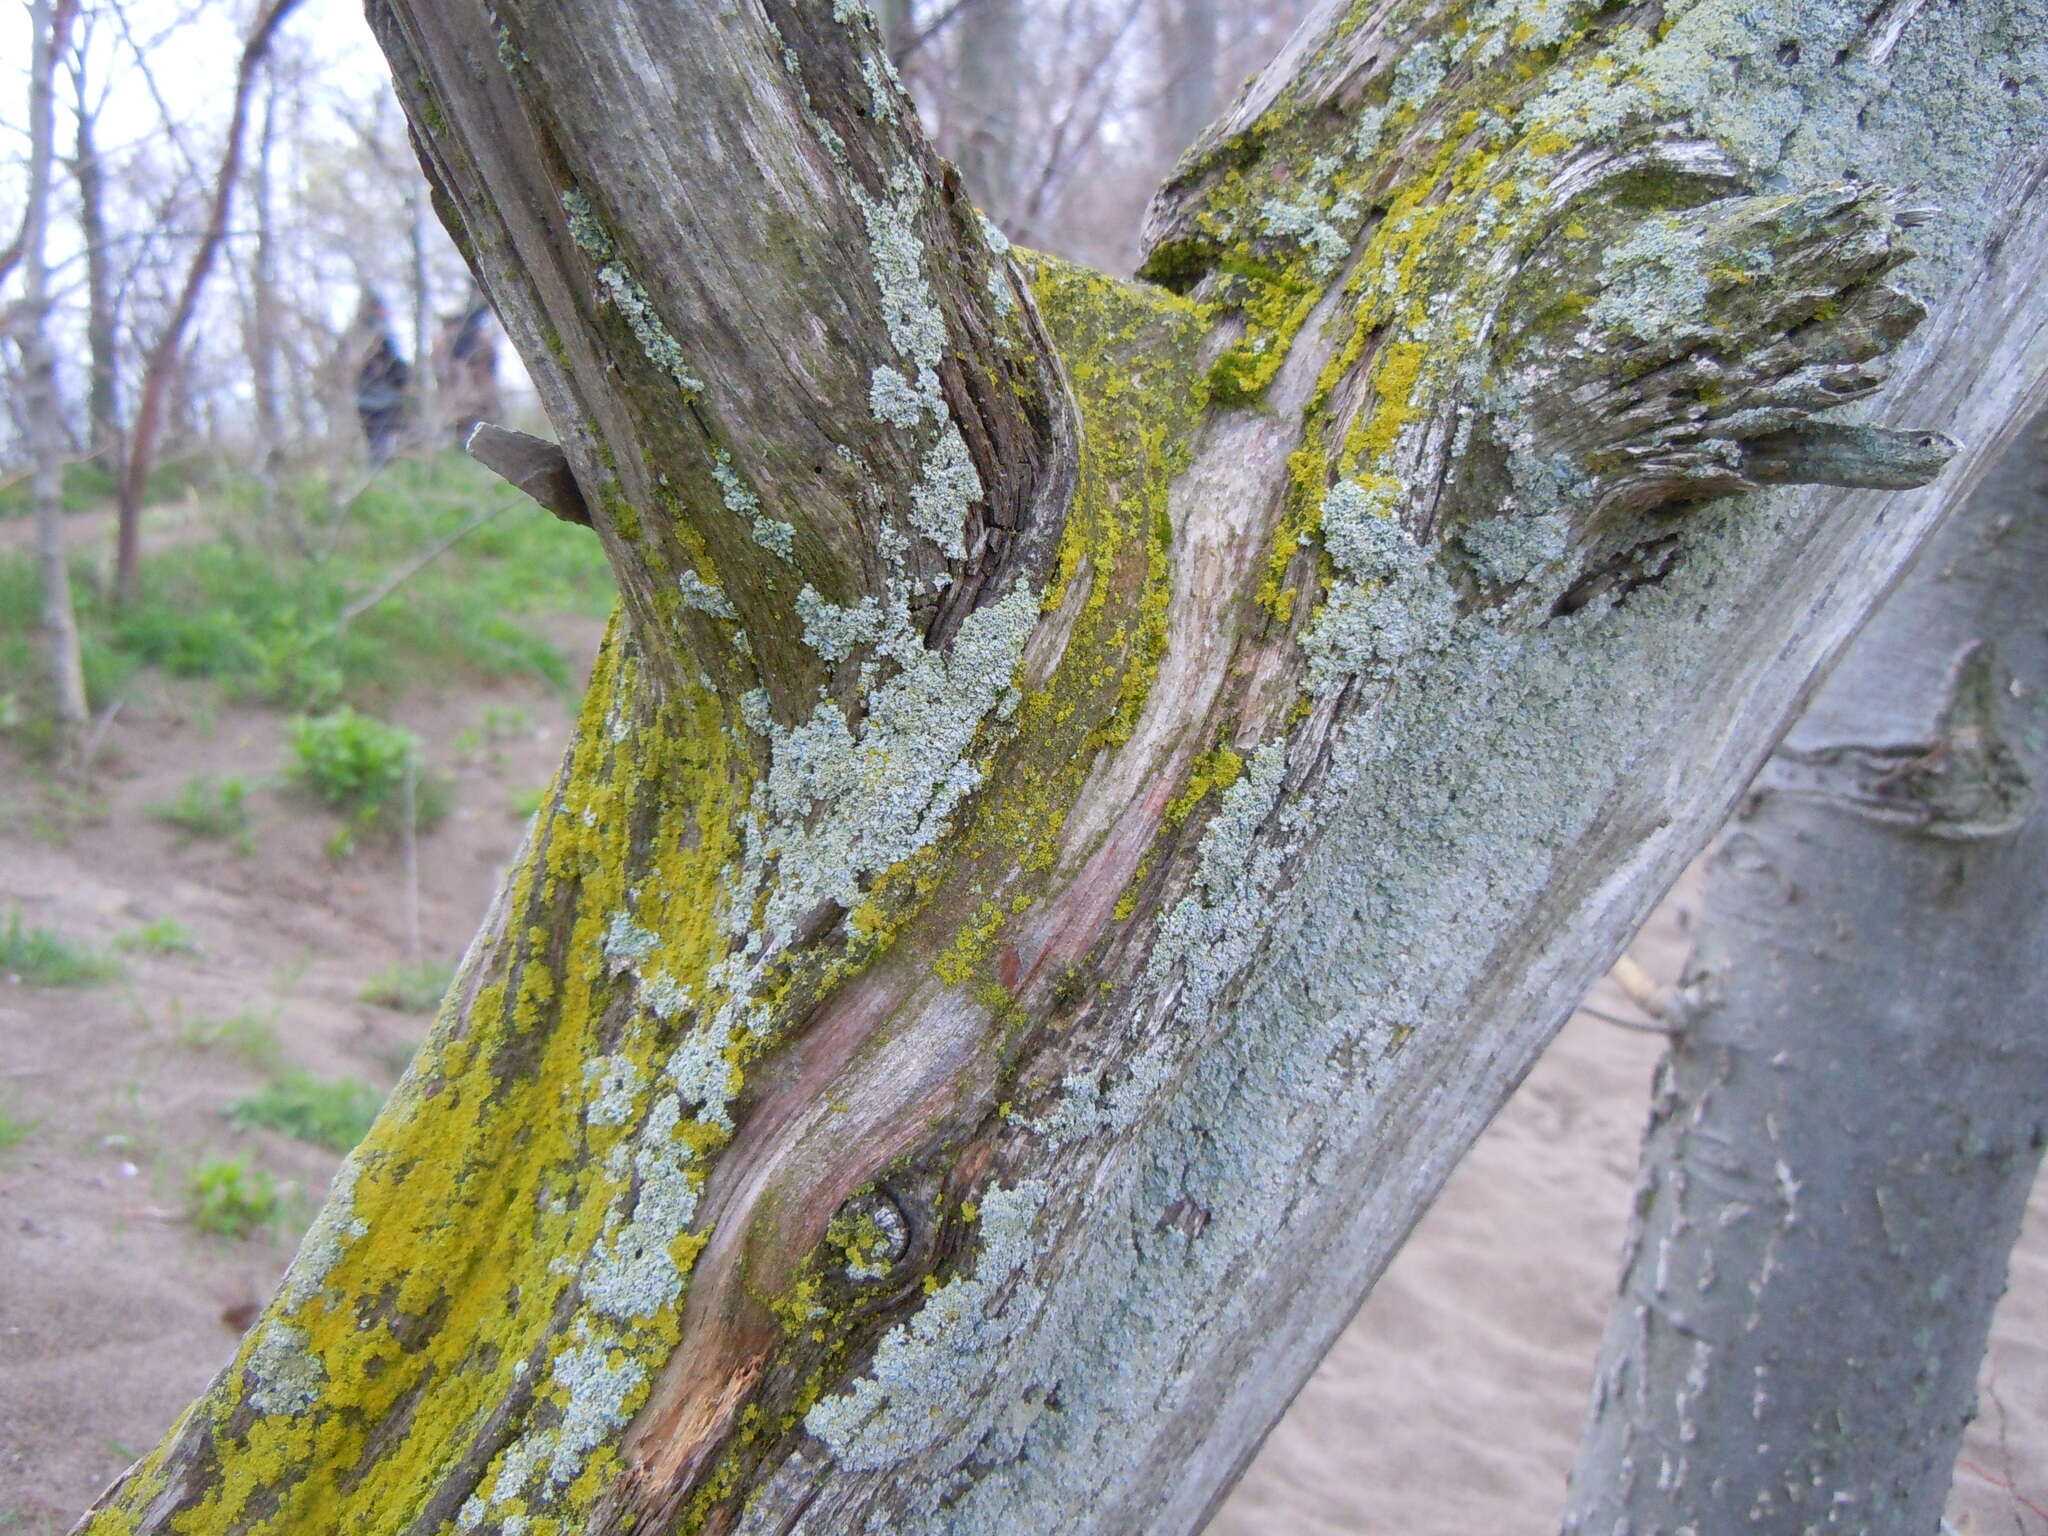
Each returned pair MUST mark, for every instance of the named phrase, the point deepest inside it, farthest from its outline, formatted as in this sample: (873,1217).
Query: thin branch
(414,566)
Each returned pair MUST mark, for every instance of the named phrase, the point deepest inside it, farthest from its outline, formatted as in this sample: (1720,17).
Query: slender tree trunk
(1191,63)
(1847,1130)
(994,72)
(1096,790)
(263,337)
(42,415)
(897,22)
(162,365)
(426,411)
(103,412)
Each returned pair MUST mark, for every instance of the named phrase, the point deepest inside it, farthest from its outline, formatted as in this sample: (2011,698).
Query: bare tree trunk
(897,22)
(103,413)
(1096,790)
(426,410)
(263,312)
(1846,1132)
(993,73)
(43,417)
(161,367)
(1191,63)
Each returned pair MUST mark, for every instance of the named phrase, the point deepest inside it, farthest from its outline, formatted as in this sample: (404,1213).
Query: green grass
(351,762)
(89,485)
(409,988)
(357,764)
(249,1037)
(165,936)
(216,809)
(251,609)
(14,1132)
(231,1197)
(43,958)
(331,1113)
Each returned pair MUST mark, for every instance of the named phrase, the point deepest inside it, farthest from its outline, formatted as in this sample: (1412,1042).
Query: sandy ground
(1450,1407)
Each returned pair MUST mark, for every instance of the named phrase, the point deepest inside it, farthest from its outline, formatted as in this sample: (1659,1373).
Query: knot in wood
(872,1233)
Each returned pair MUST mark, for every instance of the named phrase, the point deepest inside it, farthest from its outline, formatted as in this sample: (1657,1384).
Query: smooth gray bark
(103,406)
(43,417)
(1191,64)
(1846,1129)
(988,89)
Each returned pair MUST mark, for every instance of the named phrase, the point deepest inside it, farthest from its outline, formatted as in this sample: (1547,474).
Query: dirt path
(114,1312)
(1450,1408)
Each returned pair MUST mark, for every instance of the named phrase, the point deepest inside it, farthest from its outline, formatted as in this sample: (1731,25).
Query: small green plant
(409,988)
(231,1197)
(165,936)
(211,808)
(329,1113)
(14,1132)
(526,802)
(248,1036)
(357,764)
(40,958)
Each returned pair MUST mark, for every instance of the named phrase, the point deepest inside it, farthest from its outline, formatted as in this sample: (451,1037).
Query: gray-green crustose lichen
(626,294)
(920,1387)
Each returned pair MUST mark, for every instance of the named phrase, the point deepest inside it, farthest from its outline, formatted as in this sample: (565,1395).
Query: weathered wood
(1851,1117)
(964,1032)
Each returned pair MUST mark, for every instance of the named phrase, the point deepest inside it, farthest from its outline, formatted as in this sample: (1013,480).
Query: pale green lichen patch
(836,631)
(773,535)
(922,1384)
(948,486)
(701,595)
(841,803)
(283,1376)
(627,296)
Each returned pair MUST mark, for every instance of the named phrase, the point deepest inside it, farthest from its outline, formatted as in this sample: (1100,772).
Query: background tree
(165,357)
(1097,790)
(1850,1119)
(42,417)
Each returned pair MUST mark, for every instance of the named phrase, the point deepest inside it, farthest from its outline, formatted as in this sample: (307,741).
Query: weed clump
(39,957)
(329,1113)
(247,1036)
(409,988)
(231,1197)
(216,809)
(358,765)
(165,936)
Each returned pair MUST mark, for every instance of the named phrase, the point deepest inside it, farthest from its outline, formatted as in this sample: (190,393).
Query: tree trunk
(42,415)
(989,87)
(1096,790)
(1190,60)
(103,407)
(1847,1130)
(264,312)
(161,367)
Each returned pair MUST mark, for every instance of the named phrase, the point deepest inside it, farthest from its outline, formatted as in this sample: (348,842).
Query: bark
(898,25)
(989,84)
(1096,790)
(103,406)
(42,414)
(1191,62)
(1847,1130)
(265,313)
(161,367)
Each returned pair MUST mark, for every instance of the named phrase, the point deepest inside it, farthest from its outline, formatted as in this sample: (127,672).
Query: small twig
(91,749)
(414,566)
(412,862)
(1642,1026)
